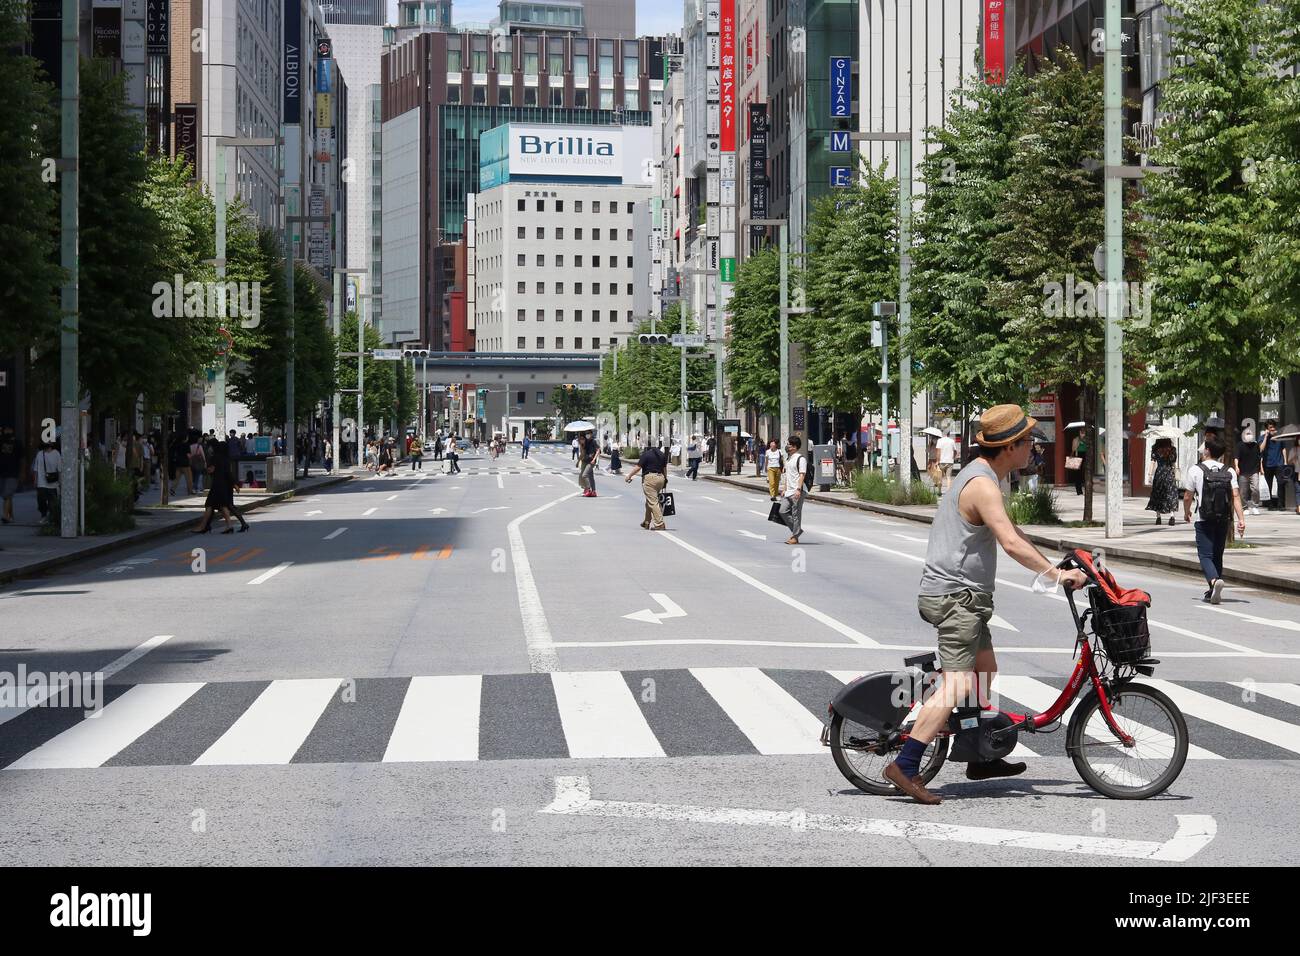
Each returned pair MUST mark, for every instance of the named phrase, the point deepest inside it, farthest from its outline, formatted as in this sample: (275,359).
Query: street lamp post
(904,141)
(70,467)
(880,310)
(1114,114)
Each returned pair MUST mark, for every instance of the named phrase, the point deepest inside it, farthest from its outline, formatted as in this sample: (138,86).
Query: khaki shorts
(962,619)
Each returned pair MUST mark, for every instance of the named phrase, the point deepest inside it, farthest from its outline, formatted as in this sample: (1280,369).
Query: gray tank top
(960,555)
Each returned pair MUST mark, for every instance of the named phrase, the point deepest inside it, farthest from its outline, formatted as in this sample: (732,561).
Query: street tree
(753,344)
(956,336)
(381,377)
(572,404)
(1211,336)
(29,271)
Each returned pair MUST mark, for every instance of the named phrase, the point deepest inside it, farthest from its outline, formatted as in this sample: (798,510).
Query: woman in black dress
(1164,482)
(221,493)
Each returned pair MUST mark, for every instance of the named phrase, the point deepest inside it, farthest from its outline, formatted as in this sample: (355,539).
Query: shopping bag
(666,504)
(1073,463)
(775,513)
(1261,483)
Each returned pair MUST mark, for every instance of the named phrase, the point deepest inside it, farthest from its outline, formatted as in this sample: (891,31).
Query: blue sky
(653,17)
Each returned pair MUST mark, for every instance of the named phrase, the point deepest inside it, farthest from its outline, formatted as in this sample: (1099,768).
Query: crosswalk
(634,714)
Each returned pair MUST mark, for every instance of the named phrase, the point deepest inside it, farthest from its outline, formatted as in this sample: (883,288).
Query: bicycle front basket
(1122,628)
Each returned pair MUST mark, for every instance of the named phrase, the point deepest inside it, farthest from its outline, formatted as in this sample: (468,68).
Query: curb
(1058,543)
(146,534)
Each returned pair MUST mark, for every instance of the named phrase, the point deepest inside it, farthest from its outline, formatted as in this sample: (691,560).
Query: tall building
(753,182)
(610,19)
(356,12)
(441,92)
(555,236)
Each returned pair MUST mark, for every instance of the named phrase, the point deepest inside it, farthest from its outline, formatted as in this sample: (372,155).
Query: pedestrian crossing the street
(707,711)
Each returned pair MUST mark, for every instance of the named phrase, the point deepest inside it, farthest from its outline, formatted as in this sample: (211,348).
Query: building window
(519,344)
(629,208)
(541,398)
(595,205)
(577,261)
(541,315)
(577,315)
(541,259)
(519,205)
(520,288)
(606,99)
(559,260)
(453,93)
(595,236)
(559,206)
(519,259)
(479,60)
(504,64)
(629,315)
(577,205)
(629,262)
(629,238)
(577,231)
(541,288)
(577,288)
(530,64)
(606,66)
(581,65)
(541,232)
(453,54)
(580,100)
(557,96)
(559,315)
(559,231)
(629,292)
(595,315)
(577,343)
(613,209)
(555,61)
(559,288)
(595,260)
(519,314)
(541,205)
(519,396)
(541,342)
(559,344)
(631,98)
(503,95)
(530,96)
(595,342)
(519,233)
(480,95)
(595,288)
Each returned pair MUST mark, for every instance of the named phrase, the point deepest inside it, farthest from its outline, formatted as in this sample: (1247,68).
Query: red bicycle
(1127,740)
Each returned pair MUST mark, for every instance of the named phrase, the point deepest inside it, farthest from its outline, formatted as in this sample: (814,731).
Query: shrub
(110,500)
(873,486)
(1034,507)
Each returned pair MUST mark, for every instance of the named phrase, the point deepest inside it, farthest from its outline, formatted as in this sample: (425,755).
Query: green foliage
(381,377)
(956,338)
(29,273)
(541,430)
(1211,333)
(649,376)
(753,347)
(110,500)
(871,485)
(573,405)
(852,242)
(1034,507)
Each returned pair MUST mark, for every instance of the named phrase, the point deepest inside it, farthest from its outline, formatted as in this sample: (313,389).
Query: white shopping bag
(1261,483)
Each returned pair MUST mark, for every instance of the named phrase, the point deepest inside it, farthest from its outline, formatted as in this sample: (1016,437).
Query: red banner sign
(727,80)
(995,50)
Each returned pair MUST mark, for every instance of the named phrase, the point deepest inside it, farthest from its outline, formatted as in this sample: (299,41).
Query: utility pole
(784,426)
(1114,106)
(337,329)
(70,468)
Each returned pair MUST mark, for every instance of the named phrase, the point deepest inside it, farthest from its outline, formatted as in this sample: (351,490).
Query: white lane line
(499,484)
(1287,693)
(1260,726)
(1255,618)
(908,537)
(439,720)
(851,633)
(367,513)
(537,632)
(700,642)
(37,696)
(92,742)
(274,727)
(714,500)
(311,513)
(600,716)
(391,498)
(1194,832)
(267,575)
(998,620)
(334,534)
(765,712)
(1039,696)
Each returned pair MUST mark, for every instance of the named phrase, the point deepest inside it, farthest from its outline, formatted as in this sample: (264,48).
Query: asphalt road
(487,668)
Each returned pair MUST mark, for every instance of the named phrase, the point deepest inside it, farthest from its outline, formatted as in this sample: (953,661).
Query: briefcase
(666,504)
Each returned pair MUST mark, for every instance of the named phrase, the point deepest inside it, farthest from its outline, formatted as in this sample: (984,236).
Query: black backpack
(1216,493)
(807,473)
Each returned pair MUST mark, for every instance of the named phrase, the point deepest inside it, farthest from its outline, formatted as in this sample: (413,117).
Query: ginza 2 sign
(727,97)
(841,86)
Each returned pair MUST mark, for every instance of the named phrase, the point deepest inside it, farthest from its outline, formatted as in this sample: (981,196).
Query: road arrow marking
(437,511)
(497,508)
(750,534)
(310,513)
(1194,831)
(999,621)
(586,529)
(1255,619)
(651,617)
(714,500)
(391,498)
(334,534)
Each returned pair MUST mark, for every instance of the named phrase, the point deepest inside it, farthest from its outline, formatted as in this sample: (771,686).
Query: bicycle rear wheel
(862,755)
(1148,767)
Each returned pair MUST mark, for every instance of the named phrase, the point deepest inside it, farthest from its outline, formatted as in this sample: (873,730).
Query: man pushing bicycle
(956,593)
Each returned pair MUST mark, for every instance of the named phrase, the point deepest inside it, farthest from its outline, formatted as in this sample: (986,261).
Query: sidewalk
(1272,561)
(25,551)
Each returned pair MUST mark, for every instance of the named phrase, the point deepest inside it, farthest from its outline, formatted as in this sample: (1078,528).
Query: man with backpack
(1212,489)
(796,482)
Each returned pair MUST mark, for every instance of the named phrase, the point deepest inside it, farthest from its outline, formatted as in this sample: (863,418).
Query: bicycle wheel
(862,755)
(1148,767)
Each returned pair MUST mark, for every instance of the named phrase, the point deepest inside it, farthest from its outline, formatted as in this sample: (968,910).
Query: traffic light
(568,388)
(653,339)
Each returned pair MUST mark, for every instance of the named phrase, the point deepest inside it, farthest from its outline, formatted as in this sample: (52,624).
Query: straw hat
(1002,425)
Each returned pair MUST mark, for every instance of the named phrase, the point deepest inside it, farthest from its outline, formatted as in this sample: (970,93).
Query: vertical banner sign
(158,29)
(841,86)
(995,52)
(106,30)
(758,183)
(187,133)
(728,76)
(292,62)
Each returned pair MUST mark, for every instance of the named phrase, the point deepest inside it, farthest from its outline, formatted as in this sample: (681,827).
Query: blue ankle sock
(909,761)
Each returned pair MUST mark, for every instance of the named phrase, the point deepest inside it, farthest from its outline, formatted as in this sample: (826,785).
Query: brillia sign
(531,145)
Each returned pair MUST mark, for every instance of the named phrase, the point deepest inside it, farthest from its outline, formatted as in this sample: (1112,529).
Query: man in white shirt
(947,449)
(791,510)
(45,466)
(1212,490)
